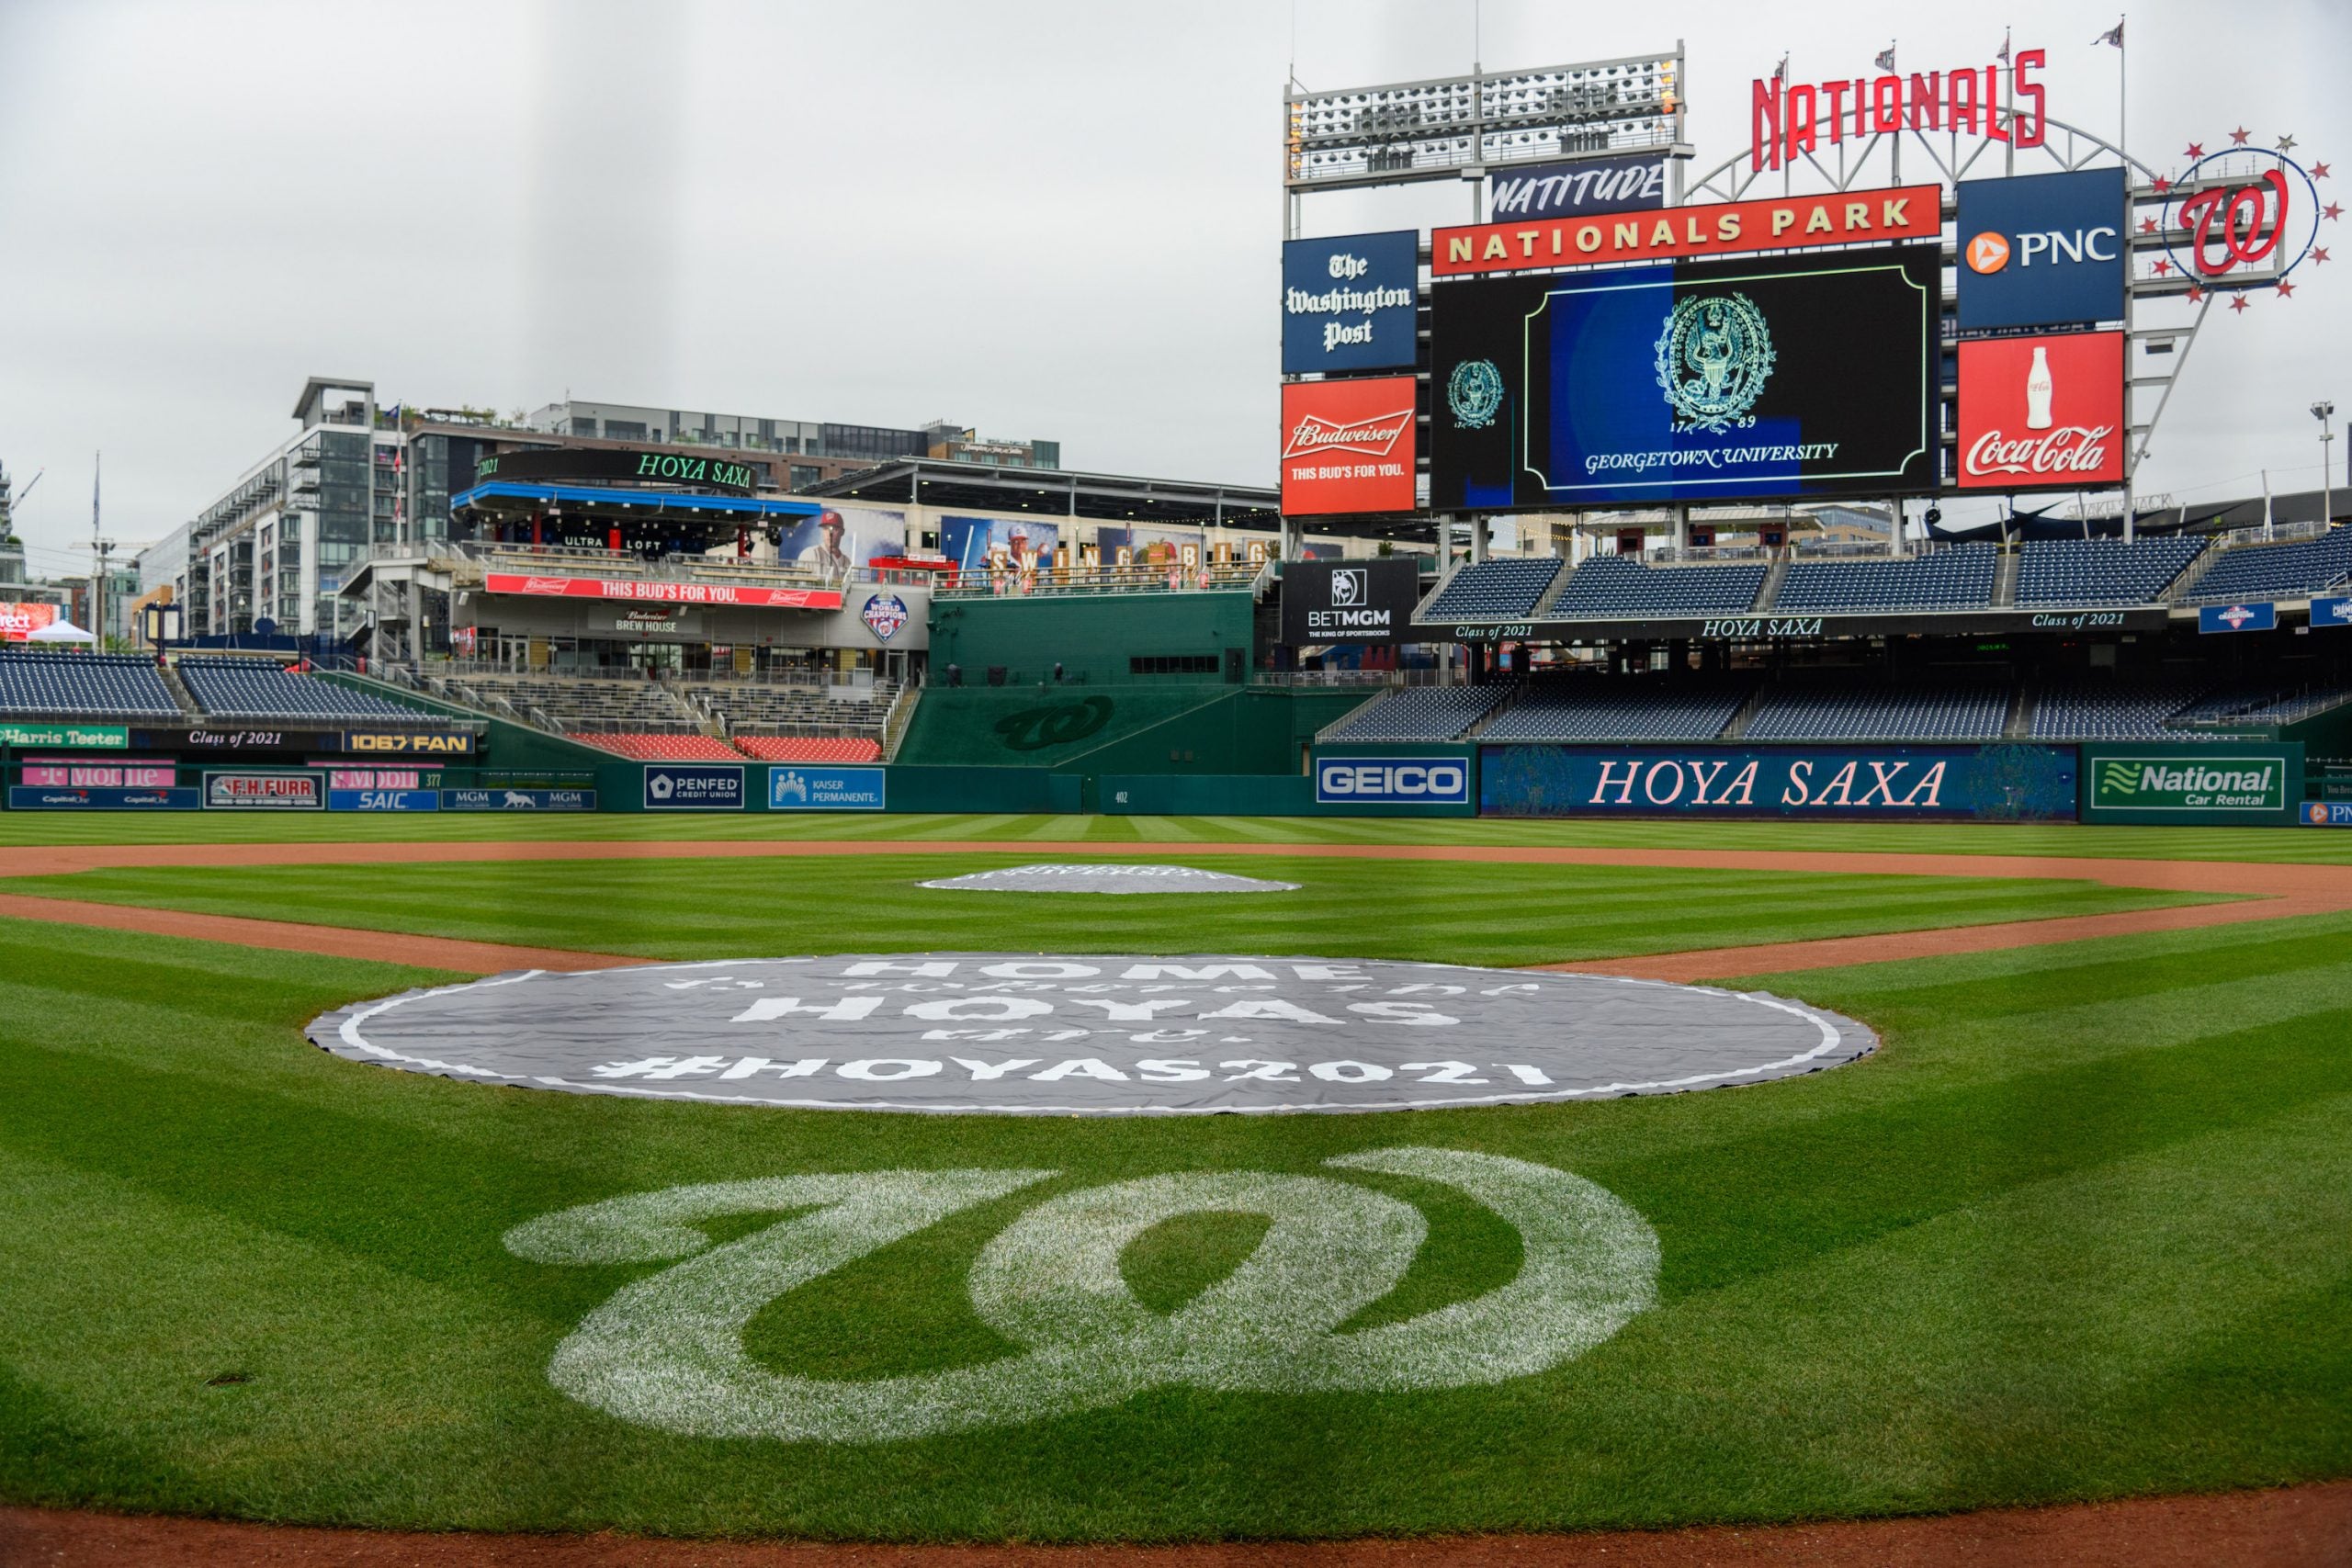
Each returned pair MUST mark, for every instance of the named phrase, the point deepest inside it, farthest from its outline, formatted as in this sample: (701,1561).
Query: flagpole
(2122,139)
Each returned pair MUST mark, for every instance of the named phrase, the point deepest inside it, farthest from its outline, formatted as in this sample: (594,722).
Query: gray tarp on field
(1087,1033)
(1086,876)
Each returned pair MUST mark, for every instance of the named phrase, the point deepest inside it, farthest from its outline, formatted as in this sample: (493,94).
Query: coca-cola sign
(1348,446)
(2042,412)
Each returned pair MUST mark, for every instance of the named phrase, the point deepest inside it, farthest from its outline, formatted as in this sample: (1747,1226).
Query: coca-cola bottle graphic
(2037,391)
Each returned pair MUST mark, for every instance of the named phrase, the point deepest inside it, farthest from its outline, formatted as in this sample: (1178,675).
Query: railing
(1417,677)
(2281,534)
(1046,582)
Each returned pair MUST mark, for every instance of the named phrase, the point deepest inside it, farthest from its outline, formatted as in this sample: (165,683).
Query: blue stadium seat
(1859,710)
(2102,571)
(2278,571)
(1610,586)
(1958,578)
(1421,713)
(1613,707)
(73,685)
(262,688)
(1495,589)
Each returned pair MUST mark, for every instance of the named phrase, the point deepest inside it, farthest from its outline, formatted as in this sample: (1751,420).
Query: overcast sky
(1042,220)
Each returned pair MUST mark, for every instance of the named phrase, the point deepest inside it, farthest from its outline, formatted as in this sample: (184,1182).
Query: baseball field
(2075,1230)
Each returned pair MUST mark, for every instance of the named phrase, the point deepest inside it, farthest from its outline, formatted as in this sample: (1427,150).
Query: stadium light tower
(2324,410)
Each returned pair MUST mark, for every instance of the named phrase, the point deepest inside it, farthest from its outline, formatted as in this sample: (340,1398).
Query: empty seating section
(1495,589)
(1611,585)
(660,747)
(1812,710)
(1959,578)
(1614,708)
(2101,571)
(91,684)
(2107,706)
(2278,571)
(578,703)
(810,748)
(1420,713)
(263,688)
(804,708)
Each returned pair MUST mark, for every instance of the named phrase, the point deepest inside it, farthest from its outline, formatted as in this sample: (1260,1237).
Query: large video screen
(1784,378)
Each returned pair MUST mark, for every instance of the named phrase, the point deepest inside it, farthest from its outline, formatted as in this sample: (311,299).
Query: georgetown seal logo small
(1713,361)
(884,614)
(1475,392)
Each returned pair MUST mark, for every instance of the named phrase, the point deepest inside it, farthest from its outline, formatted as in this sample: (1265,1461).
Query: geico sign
(1424,781)
(1990,253)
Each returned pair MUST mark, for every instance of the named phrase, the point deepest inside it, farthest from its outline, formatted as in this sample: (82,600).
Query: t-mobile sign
(2042,412)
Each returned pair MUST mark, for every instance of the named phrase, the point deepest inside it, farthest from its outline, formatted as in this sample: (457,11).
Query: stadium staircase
(2004,580)
(1774,575)
(180,694)
(2021,701)
(2186,584)
(895,722)
(1737,728)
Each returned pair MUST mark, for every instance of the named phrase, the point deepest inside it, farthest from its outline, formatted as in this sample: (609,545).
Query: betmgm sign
(1364,601)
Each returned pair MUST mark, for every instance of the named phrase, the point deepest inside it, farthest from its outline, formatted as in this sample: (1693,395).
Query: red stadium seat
(649,748)
(810,747)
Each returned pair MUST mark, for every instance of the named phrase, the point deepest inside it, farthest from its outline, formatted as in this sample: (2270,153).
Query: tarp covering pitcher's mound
(1091,877)
(1088,1033)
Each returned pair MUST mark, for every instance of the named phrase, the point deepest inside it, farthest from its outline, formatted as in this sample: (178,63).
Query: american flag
(2114,35)
(1886,61)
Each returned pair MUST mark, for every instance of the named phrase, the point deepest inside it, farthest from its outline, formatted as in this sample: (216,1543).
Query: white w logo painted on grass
(667,1352)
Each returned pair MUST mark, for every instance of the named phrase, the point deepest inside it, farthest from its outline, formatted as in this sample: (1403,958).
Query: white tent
(59,631)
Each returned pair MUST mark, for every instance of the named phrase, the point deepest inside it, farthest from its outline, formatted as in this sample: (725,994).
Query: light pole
(2322,410)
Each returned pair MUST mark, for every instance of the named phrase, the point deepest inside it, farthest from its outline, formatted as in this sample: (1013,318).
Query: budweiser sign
(1348,446)
(646,589)
(2042,412)
(1375,437)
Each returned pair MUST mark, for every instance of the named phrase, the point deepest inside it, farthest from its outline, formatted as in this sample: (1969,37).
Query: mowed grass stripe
(1447,911)
(1834,837)
(2010,1262)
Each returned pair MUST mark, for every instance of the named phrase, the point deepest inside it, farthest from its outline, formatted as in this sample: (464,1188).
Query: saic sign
(667,1352)
(1392,781)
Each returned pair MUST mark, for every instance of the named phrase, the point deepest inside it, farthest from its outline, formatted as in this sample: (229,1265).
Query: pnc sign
(2041,250)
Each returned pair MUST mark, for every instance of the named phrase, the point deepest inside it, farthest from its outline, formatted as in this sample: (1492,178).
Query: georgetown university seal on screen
(1713,361)
(1475,394)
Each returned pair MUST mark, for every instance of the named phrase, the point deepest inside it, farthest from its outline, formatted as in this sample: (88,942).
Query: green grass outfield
(1459,912)
(2079,1231)
(1919,837)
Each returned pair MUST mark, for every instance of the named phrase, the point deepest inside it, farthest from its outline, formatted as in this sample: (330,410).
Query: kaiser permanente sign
(1846,218)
